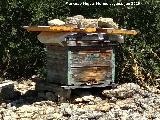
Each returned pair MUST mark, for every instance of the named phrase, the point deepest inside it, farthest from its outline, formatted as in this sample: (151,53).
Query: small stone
(78,16)
(90,107)
(50,117)
(103,107)
(1,117)
(41,112)
(80,110)
(56,22)
(75,20)
(97,99)
(50,110)
(4,105)
(123,91)
(64,105)
(20,86)
(91,103)
(34,76)
(68,111)
(57,115)
(85,23)
(78,100)
(88,98)
(107,22)
(14,108)
(34,116)
(97,114)
(113,99)
(15,116)
(9,105)
(7,118)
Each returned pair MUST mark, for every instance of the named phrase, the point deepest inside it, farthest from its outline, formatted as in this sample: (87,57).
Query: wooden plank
(91,74)
(58,29)
(116,31)
(72,29)
(91,58)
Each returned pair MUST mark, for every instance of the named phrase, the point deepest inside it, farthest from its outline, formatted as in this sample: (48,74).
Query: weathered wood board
(91,58)
(92,75)
(57,65)
(86,30)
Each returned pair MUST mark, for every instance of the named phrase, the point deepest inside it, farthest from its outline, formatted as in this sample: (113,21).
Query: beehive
(83,57)
(83,61)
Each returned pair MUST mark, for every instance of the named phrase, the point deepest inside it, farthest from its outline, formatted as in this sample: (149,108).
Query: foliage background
(22,55)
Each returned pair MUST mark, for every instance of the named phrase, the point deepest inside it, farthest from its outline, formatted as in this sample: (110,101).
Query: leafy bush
(23,55)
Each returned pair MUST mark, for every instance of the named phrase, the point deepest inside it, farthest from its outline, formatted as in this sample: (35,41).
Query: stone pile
(78,21)
(126,102)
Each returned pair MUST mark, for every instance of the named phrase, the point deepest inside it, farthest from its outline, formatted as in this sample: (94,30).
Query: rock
(56,22)
(14,108)
(7,90)
(1,117)
(97,99)
(7,118)
(123,91)
(57,115)
(88,98)
(14,116)
(63,106)
(79,17)
(50,110)
(4,105)
(103,107)
(34,116)
(78,100)
(107,23)
(67,111)
(85,99)
(89,107)
(50,117)
(74,21)
(88,23)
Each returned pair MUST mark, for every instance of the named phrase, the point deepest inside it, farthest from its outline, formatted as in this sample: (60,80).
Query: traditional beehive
(85,60)
(80,57)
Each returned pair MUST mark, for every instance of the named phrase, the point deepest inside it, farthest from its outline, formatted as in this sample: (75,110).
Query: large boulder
(7,91)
